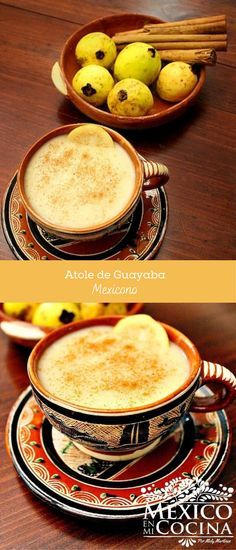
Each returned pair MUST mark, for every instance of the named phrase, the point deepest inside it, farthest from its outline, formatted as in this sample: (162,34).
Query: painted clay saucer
(138,239)
(63,476)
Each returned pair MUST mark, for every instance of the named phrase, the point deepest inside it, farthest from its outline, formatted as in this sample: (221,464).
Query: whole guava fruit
(138,60)
(56,314)
(116,309)
(96,48)
(130,97)
(89,310)
(176,80)
(93,83)
(17,309)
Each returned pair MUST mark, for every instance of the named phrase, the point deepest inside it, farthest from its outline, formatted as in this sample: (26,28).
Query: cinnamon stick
(197,56)
(142,30)
(200,57)
(219,46)
(199,36)
(193,21)
(129,39)
(203,28)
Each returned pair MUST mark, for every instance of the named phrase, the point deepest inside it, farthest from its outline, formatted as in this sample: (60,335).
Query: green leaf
(32,427)
(40,459)
(55,476)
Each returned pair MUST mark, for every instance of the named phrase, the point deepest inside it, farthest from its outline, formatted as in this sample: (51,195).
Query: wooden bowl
(27,334)
(63,73)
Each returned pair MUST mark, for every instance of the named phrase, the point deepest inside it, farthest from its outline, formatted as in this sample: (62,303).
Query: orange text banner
(114,281)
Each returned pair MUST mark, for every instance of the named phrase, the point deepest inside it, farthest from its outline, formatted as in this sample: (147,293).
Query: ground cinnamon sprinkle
(97,368)
(76,186)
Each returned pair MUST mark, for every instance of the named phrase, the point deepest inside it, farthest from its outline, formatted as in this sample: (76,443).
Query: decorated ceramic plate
(63,476)
(138,239)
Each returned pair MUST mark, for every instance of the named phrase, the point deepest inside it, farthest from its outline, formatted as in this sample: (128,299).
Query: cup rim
(60,130)
(175,336)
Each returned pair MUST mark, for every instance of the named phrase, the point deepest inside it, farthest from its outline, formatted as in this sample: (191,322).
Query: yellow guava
(17,309)
(138,60)
(90,310)
(55,314)
(176,80)
(130,97)
(96,48)
(93,83)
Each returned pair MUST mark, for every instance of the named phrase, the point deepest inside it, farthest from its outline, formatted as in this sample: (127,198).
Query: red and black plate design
(63,476)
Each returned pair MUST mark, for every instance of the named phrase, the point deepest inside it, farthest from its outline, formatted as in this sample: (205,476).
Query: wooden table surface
(198,147)
(29,523)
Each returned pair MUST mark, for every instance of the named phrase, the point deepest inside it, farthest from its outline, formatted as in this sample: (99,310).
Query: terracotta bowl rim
(175,336)
(109,117)
(60,130)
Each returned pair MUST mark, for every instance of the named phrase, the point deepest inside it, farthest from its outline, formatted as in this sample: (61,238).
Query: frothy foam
(77,186)
(97,368)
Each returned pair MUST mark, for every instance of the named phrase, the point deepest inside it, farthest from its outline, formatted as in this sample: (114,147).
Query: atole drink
(98,368)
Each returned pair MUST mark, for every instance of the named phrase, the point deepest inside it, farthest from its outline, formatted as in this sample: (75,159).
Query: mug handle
(212,372)
(158,173)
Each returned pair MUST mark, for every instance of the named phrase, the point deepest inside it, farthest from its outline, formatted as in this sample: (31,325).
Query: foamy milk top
(97,368)
(76,186)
